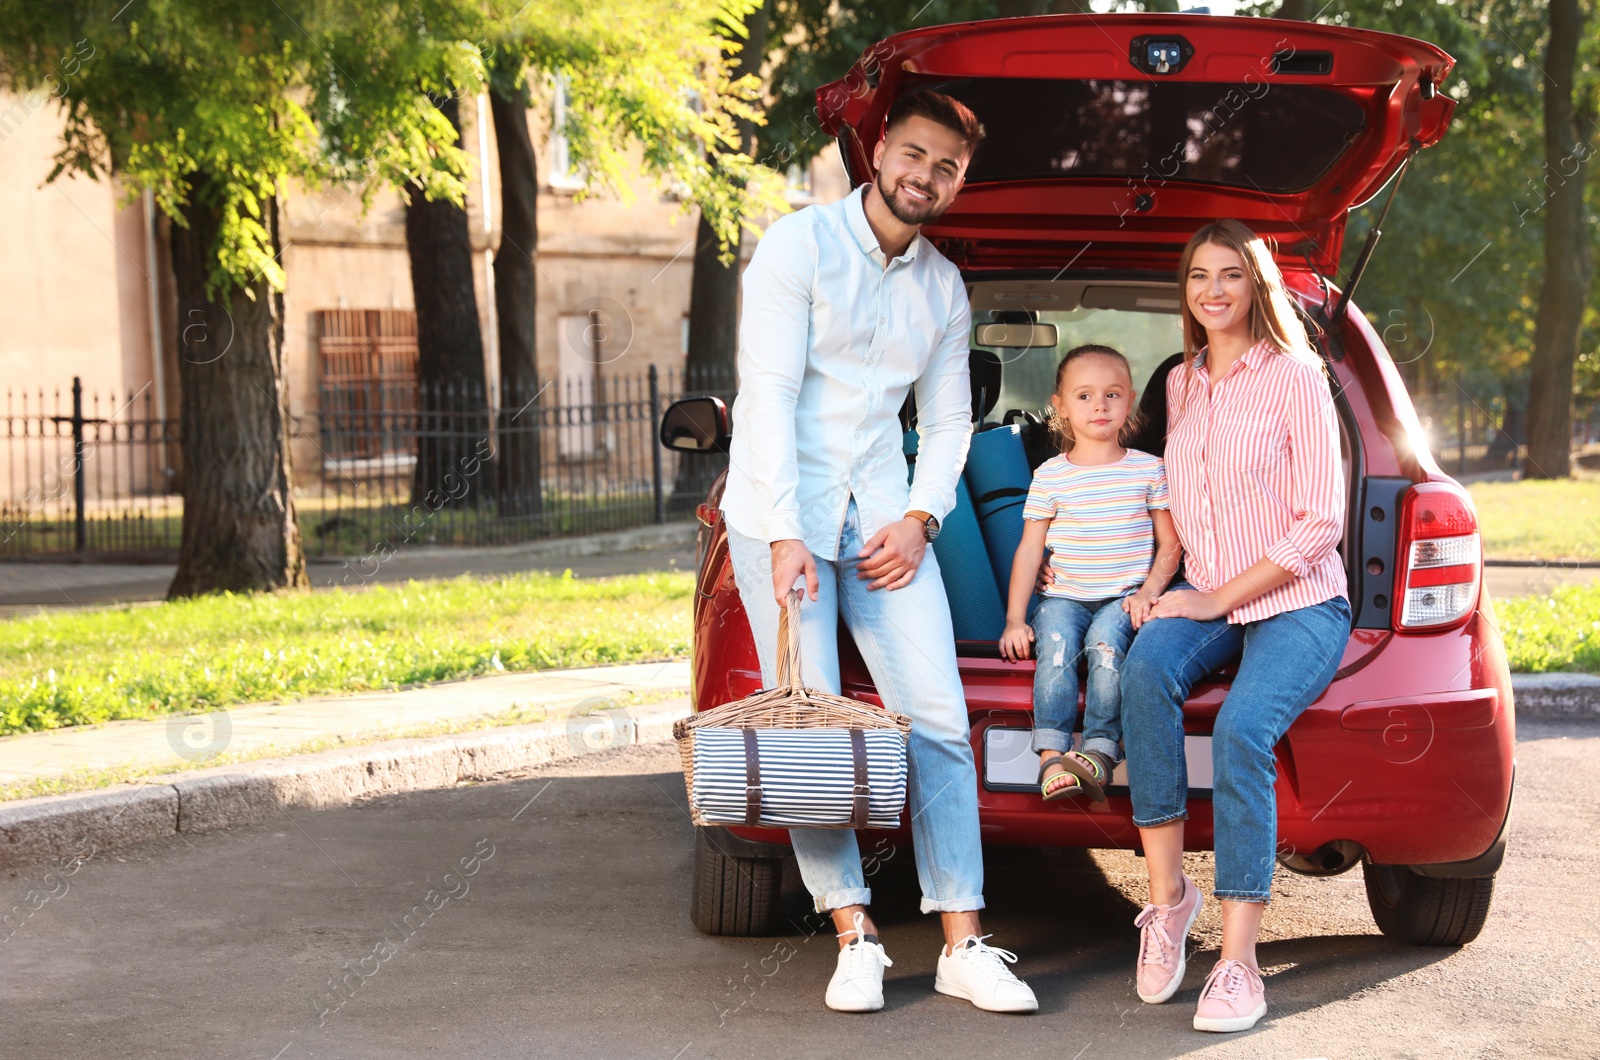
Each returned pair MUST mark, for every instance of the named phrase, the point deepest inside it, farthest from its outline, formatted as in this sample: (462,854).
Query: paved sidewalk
(178,741)
(26,588)
(1504,582)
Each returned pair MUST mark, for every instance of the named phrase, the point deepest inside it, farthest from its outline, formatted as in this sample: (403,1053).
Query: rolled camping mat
(998,476)
(977,607)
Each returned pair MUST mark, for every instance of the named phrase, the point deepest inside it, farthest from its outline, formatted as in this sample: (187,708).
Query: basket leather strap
(752,780)
(858,755)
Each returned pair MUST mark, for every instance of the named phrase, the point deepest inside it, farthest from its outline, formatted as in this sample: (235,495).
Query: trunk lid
(1111,138)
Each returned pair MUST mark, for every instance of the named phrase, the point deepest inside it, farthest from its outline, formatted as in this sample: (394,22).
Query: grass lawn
(1538,519)
(84,667)
(1556,632)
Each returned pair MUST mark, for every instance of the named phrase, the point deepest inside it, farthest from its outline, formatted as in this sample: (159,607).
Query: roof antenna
(1375,234)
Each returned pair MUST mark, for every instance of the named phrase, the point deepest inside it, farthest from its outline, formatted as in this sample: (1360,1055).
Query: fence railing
(376,464)
(1466,431)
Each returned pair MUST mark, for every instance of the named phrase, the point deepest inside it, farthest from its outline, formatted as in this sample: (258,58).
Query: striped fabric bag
(793,757)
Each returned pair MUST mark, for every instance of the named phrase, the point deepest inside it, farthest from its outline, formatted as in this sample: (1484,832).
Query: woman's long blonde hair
(1272,314)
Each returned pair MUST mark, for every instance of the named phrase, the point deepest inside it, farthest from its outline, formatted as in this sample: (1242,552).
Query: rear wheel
(732,895)
(1425,911)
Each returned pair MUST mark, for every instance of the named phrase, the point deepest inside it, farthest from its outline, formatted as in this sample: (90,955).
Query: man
(846,310)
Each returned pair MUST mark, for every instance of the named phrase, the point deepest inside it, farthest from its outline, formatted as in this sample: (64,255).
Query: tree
(657,77)
(1447,289)
(214,106)
(520,490)
(194,105)
(714,285)
(1568,254)
(452,388)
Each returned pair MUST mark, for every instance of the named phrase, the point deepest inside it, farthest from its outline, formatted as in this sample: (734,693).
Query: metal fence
(1466,431)
(379,463)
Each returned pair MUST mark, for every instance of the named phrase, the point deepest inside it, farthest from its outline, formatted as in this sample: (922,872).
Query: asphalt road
(569,938)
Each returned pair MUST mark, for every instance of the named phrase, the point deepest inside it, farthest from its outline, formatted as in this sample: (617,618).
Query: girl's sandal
(1092,769)
(1051,787)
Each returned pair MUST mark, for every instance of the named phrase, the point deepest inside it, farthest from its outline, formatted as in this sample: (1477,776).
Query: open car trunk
(1138,317)
(1112,138)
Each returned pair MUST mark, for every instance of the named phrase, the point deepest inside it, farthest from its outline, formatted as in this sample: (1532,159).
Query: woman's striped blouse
(1253,466)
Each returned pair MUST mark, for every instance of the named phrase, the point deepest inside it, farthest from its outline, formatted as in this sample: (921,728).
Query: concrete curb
(58,828)
(1556,695)
(1568,564)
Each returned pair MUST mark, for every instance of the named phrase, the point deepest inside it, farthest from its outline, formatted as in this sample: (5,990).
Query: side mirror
(1017,336)
(696,425)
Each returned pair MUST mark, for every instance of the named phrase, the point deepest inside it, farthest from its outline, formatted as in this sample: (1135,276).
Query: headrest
(984,366)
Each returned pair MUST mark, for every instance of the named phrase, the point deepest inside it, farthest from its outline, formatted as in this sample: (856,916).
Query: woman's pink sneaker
(1163,938)
(1233,999)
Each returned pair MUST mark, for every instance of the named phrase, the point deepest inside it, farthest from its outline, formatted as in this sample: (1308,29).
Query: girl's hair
(1060,426)
(1272,314)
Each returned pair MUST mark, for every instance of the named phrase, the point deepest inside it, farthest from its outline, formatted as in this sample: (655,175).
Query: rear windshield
(1027,377)
(1275,138)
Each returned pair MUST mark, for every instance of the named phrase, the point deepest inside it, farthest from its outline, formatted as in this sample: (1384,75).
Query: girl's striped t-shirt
(1101,539)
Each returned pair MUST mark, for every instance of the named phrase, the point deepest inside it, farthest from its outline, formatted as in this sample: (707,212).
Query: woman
(1259,502)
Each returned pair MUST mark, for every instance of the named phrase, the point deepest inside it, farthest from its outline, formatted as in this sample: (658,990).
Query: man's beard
(905,211)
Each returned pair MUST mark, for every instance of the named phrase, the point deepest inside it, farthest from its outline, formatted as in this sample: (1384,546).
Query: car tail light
(1440,558)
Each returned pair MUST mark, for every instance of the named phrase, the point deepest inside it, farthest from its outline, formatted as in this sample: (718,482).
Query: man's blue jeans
(905,637)
(1065,631)
(1285,663)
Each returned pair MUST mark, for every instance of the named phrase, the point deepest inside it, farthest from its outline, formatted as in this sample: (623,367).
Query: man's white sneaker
(857,983)
(978,973)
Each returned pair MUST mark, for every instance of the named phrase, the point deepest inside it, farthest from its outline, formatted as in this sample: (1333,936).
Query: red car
(1111,138)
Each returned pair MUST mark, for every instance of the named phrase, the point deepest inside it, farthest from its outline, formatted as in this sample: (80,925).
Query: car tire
(732,895)
(1425,911)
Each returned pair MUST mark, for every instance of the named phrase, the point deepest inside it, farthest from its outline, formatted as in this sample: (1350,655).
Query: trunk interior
(1140,318)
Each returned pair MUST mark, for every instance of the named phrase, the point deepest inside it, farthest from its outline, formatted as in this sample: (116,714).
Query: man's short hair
(941,109)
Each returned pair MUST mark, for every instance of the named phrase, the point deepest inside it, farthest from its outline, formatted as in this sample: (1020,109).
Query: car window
(1146,339)
(1153,132)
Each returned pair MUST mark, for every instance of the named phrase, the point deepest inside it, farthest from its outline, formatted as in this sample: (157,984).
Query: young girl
(1259,503)
(1101,509)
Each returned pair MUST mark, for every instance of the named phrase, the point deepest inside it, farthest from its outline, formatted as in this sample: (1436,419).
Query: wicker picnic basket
(793,757)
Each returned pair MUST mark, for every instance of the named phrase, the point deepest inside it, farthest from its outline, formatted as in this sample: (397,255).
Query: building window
(580,411)
(368,391)
(562,176)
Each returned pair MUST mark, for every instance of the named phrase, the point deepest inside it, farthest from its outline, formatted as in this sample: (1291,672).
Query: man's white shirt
(830,344)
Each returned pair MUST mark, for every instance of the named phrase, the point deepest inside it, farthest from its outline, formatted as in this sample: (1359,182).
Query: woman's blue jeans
(1065,631)
(906,639)
(1285,663)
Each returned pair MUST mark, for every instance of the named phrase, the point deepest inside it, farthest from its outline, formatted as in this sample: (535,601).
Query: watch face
(931,528)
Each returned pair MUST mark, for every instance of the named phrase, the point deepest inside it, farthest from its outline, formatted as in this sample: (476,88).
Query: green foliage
(1454,285)
(213,651)
(653,76)
(1555,633)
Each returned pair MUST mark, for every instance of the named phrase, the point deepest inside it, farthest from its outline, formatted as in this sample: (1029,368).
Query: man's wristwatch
(930,528)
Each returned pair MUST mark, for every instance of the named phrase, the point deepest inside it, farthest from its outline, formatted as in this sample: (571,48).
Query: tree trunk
(1513,430)
(240,533)
(1568,257)
(714,297)
(1302,10)
(515,297)
(453,416)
